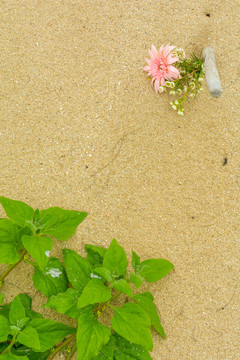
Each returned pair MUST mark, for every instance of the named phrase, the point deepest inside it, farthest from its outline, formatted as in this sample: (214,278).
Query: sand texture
(81,128)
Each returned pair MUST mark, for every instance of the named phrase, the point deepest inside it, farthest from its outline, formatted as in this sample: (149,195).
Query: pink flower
(159,66)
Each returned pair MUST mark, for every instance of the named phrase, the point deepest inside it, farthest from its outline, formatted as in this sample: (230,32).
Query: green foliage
(145,300)
(132,322)
(82,288)
(38,247)
(27,229)
(52,279)
(60,223)
(115,259)
(78,269)
(50,332)
(65,303)
(91,336)
(125,350)
(9,242)
(154,269)
(94,292)
(31,334)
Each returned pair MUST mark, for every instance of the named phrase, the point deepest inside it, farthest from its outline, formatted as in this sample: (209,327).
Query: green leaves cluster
(29,230)
(25,334)
(82,288)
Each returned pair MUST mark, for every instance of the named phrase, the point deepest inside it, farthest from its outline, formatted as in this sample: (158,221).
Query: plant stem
(12,266)
(70,355)
(61,346)
(10,345)
(106,303)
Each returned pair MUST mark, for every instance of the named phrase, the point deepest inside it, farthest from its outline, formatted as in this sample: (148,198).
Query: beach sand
(82,128)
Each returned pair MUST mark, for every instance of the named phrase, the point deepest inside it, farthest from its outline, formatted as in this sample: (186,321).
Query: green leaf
(65,303)
(125,350)
(27,301)
(107,351)
(91,336)
(38,247)
(154,269)
(3,346)
(135,261)
(52,280)
(122,286)
(17,311)
(4,328)
(94,292)
(22,323)
(38,355)
(77,268)
(9,242)
(60,223)
(5,309)
(136,279)
(132,322)
(1,298)
(50,332)
(115,259)
(29,337)
(145,300)
(104,272)
(18,211)
(10,356)
(95,254)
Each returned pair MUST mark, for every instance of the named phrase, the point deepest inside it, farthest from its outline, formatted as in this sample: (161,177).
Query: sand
(81,128)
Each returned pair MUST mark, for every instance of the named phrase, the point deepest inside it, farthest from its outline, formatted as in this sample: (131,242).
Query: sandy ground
(81,128)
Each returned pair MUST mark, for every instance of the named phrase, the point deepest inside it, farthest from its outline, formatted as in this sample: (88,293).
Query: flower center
(162,65)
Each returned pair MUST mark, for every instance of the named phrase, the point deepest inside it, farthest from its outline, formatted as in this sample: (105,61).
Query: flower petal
(171,59)
(146,68)
(156,85)
(154,51)
(167,50)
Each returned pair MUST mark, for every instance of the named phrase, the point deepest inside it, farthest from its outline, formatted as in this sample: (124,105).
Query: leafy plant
(97,281)
(24,334)
(83,288)
(27,231)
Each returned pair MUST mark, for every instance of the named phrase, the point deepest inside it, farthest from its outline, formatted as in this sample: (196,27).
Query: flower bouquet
(182,80)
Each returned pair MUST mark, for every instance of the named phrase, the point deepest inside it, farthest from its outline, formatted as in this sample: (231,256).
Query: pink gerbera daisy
(159,66)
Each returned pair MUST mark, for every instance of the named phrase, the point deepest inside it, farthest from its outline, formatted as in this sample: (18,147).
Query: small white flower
(192,85)
(200,79)
(168,84)
(172,92)
(172,84)
(161,89)
(176,102)
(171,103)
(192,94)
(179,91)
(180,112)
(185,88)
(200,89)
(174,107)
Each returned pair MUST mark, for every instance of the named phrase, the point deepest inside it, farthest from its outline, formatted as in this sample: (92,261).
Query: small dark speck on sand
(225,160)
